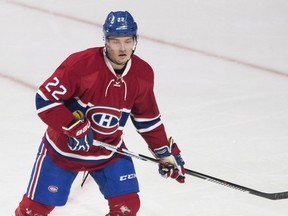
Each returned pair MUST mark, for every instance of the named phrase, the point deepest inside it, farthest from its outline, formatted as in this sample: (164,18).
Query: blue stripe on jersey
(148,123)
(75,104)
(41,102)
(80,158)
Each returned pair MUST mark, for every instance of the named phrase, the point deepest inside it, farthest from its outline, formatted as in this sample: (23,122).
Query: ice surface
(221,80)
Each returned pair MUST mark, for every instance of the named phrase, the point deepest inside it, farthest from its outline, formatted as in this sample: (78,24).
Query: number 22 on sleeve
(61,90)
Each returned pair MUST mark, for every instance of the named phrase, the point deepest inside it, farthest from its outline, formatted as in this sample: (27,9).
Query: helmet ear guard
(120,23)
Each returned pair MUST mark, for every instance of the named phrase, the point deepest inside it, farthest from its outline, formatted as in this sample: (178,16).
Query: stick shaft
(271,196)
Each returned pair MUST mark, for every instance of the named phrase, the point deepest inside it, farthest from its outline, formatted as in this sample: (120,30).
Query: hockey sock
(32,208)
(127,204)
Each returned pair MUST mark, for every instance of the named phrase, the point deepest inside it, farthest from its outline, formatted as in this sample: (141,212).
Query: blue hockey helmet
(119,23)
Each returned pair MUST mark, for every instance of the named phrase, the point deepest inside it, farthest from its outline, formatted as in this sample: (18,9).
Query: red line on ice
(159,41)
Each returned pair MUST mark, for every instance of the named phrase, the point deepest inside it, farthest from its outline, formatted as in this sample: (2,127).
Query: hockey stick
(122,151)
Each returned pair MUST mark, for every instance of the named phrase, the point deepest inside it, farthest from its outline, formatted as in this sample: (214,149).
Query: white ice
(221,80)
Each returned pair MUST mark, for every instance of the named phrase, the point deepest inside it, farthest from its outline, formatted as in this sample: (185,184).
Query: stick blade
(277,196)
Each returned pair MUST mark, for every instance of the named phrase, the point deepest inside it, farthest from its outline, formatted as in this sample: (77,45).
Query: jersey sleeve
(52,94)
(145,114)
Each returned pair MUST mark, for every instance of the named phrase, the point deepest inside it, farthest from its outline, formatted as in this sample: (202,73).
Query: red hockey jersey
(86,81)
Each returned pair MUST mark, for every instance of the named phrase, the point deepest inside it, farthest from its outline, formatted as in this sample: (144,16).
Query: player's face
(119,49)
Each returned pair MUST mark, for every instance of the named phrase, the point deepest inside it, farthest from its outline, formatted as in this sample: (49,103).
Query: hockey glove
(171,163)
(79,132)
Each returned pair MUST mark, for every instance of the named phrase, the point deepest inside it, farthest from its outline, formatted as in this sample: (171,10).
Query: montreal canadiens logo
(104,120)
(53,189)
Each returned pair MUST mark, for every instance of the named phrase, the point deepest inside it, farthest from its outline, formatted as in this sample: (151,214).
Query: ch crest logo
(104,120)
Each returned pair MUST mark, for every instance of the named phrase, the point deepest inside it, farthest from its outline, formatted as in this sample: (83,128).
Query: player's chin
(122,61)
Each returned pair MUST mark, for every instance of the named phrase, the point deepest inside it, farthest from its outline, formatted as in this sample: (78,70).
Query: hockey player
(90,97)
